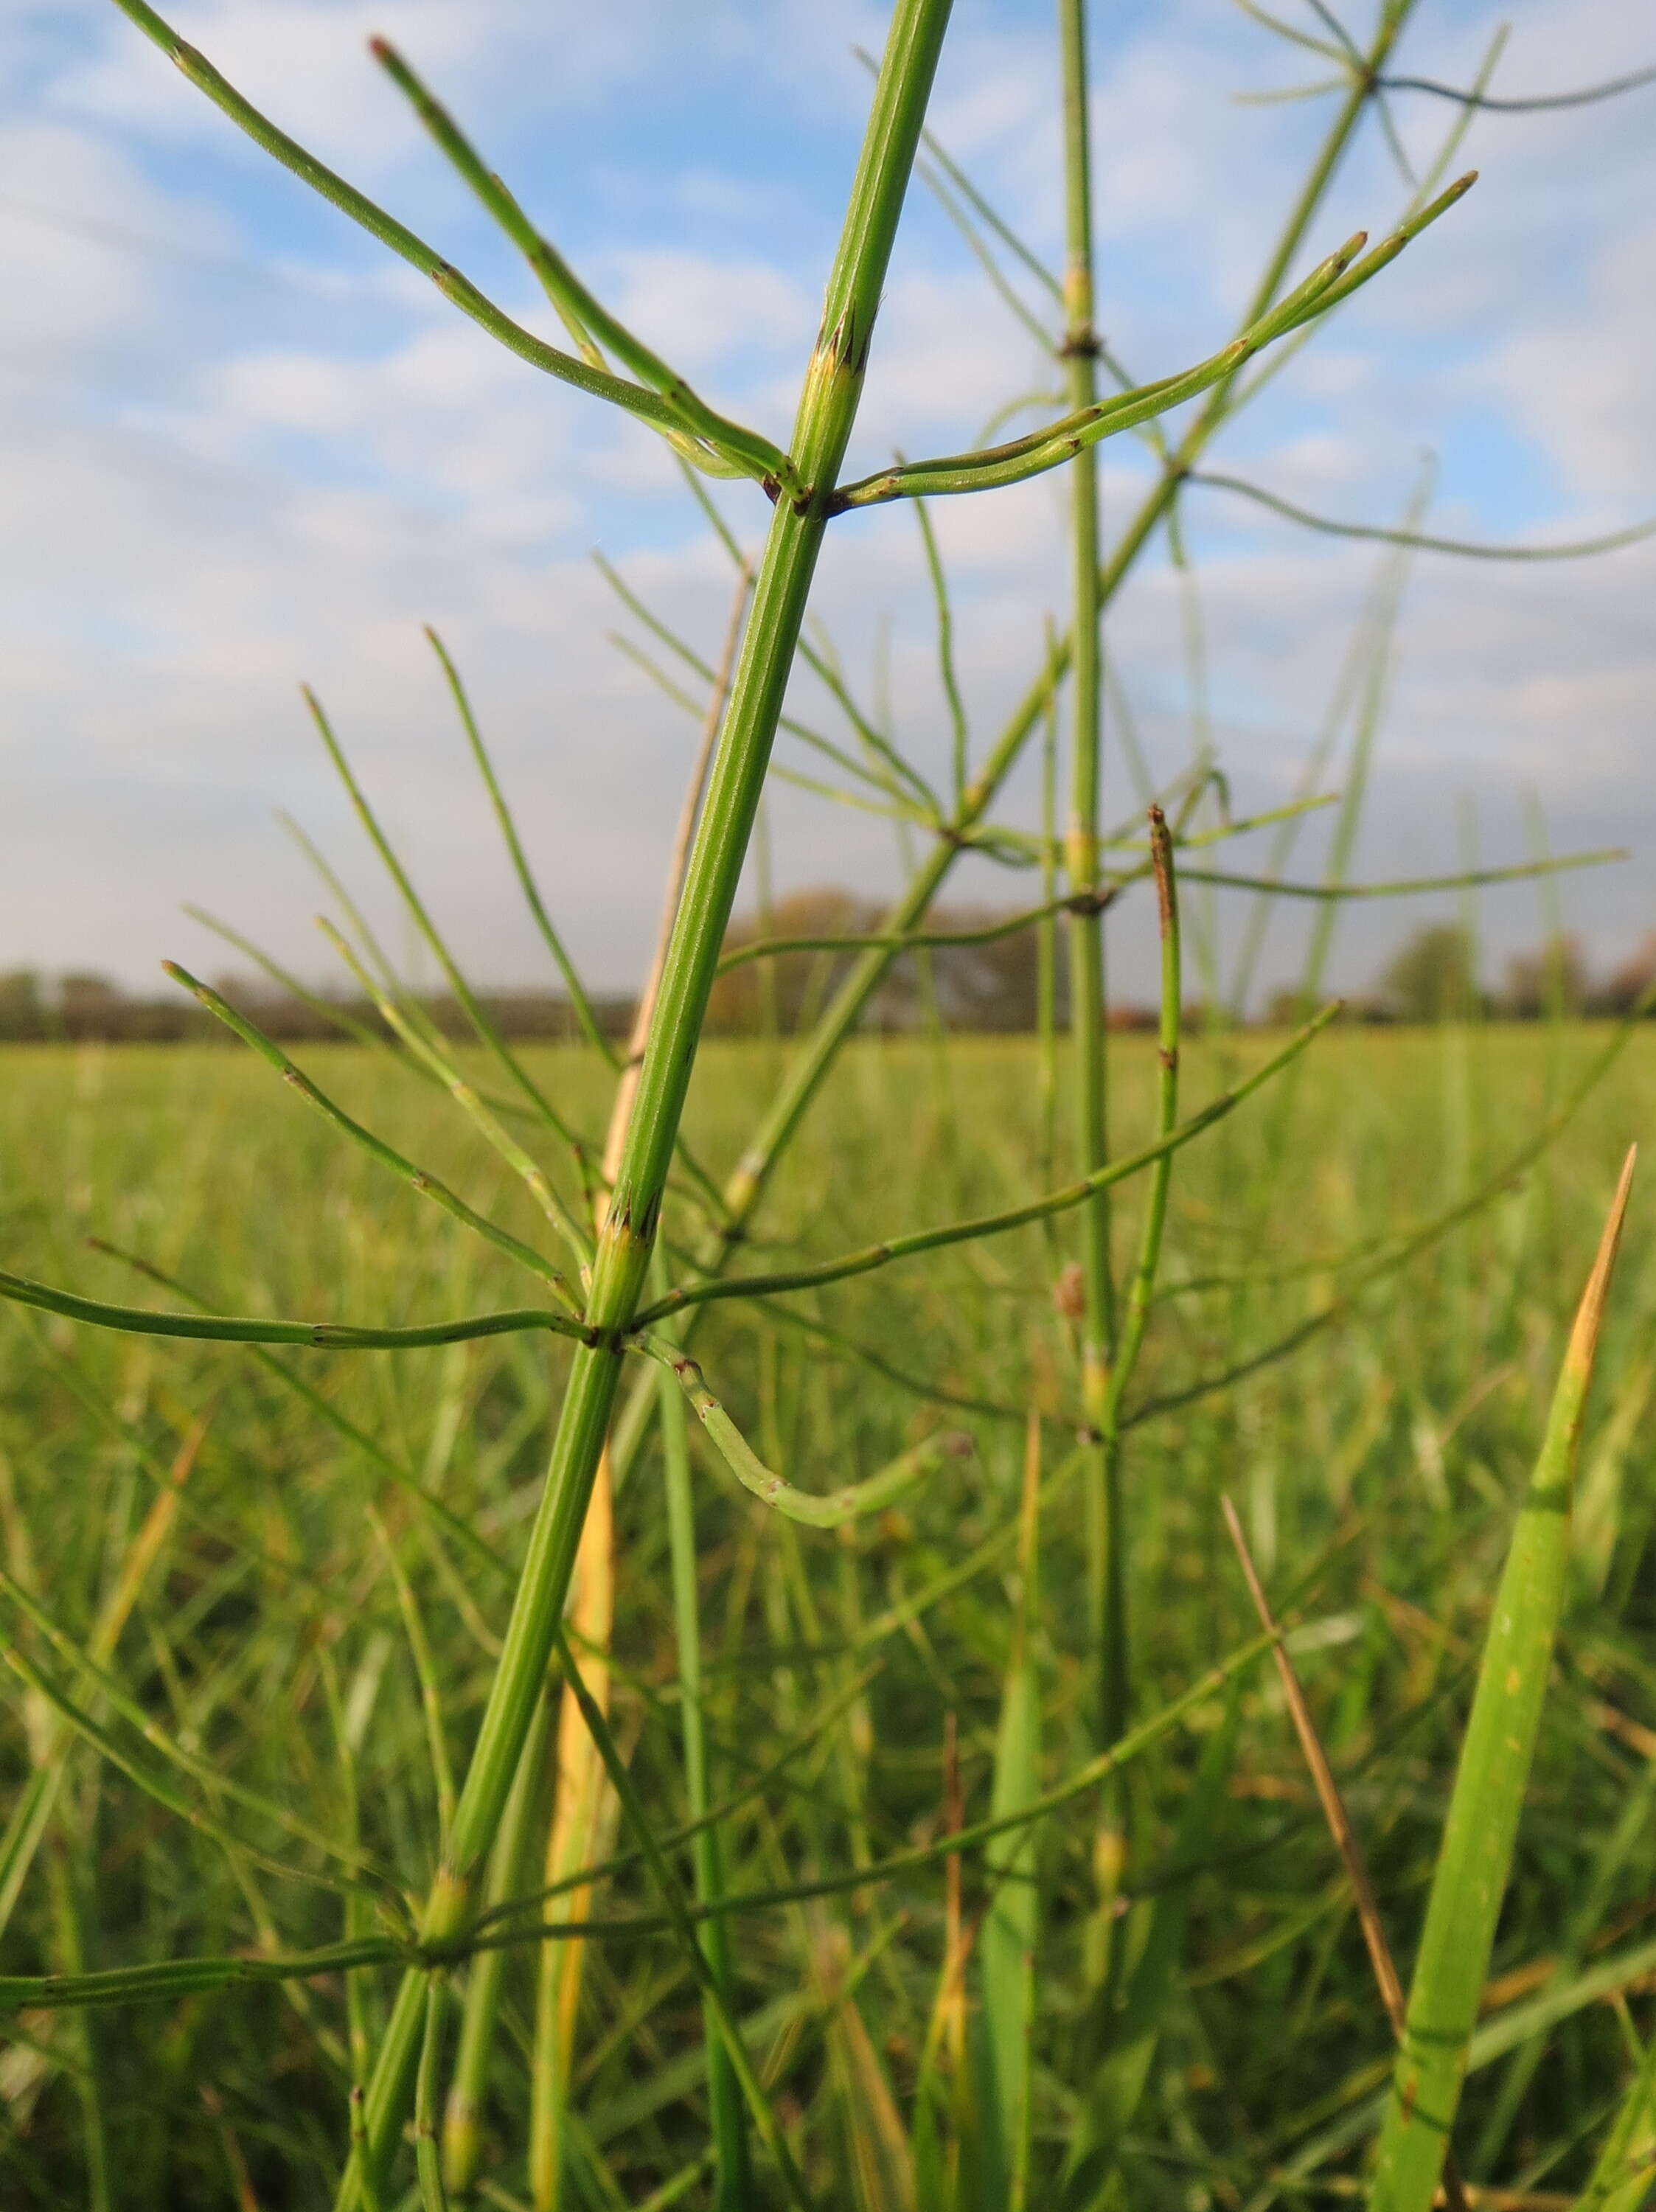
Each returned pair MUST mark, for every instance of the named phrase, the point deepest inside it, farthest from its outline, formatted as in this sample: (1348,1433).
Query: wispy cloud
(240,447)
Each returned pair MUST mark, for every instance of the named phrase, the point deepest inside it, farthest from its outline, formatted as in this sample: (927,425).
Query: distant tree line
(1433,976)
(992,985)
(36,1009)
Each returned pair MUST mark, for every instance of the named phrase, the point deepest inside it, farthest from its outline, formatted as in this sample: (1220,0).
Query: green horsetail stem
(826,411)
(750,1180)
(1476,1855)
(640,1225)
(166,1979)
(1088,595)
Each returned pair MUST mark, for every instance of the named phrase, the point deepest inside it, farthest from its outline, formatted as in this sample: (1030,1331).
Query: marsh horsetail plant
(477,2022)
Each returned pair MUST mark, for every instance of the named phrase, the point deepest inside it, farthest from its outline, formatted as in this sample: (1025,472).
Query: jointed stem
(1087,1019)
(751,1178)
(627,1235)
(1139,1295)
(827,411)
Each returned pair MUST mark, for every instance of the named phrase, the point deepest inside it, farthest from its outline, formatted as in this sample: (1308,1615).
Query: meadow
(1045,1619)
(304,1630)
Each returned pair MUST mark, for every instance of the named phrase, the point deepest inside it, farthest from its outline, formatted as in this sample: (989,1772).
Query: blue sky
(244,448)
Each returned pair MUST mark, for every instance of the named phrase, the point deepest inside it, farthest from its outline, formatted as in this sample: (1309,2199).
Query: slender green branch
(488,1031)
(673,1839)
(1533,104)
(873,740)
(1283,30)
(927,808)
(945,628)
(836,1507)
(321,1336)
(827,412)
(174,1977)
(333,884)
(933,1392)
(1185,840)
(1409,886)
(886,809)
(731,441)
(773,948)
(428,1185)
(455,287)
(983,208)
(989,1224)
(1466,549)
(329,1010)
(578,999)
(1333,281)
(1032,324)
(442,1068)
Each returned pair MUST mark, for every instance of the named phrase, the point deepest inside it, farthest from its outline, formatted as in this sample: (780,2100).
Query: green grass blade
(1476,1855)
(733,2191)
(1006,1945)
(508,1869)
(433,2197)
(1153,1986)
(1624,2172)
(765,2120)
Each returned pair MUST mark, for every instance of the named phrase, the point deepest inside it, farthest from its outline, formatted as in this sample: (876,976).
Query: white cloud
(218,483)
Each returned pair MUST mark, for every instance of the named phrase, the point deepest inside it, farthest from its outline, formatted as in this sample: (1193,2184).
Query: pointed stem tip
(1590,1314)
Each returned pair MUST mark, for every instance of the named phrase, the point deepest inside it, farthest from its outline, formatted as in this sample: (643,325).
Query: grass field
(439,1772)
(281,1608)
